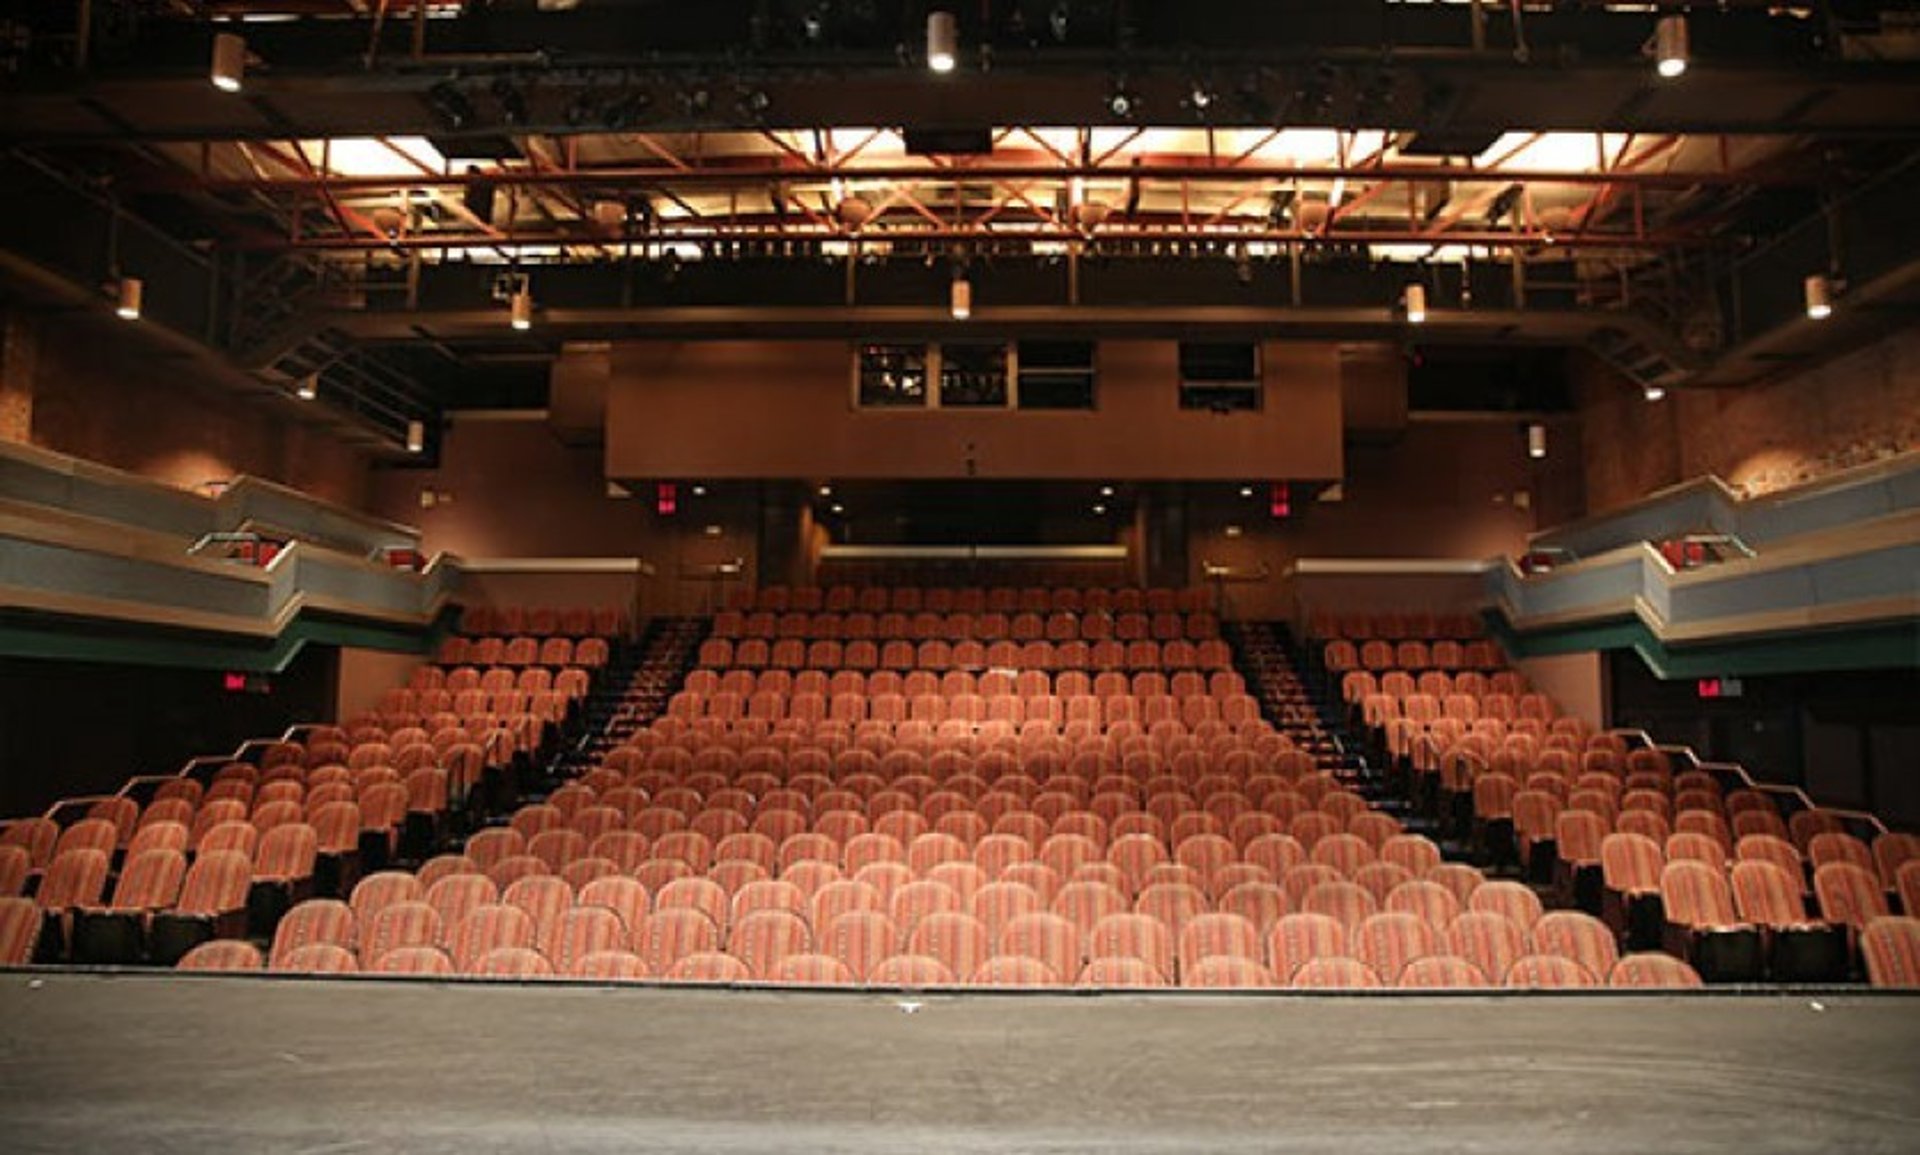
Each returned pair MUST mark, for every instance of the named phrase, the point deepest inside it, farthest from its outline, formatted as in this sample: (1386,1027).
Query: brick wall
(1759,438)
(102,397)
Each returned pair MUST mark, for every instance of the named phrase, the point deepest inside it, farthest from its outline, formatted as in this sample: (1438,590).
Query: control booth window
(1221,376)
(893,376)
(1056,374)
(973,376)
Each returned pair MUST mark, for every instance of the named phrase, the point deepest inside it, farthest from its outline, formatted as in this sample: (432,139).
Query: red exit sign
(1719,687)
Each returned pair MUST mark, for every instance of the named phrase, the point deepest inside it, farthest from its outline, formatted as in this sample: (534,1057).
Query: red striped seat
(1334,973)
(1124,971)
(1891,948)
(1652,970)
(1441,972)
(1549,972)
(225,954)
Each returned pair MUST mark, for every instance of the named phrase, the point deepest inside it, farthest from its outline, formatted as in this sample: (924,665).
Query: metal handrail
(1738,772)
(1423,744)
(225,537)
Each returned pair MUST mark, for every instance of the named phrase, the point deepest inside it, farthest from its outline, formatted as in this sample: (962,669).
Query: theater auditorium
(1005,576)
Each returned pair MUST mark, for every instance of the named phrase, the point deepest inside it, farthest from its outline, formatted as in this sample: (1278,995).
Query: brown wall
(111,401)
(1444,490)
(367,674)
(784,409)
(1759,438)
(519,493)
(1576,681)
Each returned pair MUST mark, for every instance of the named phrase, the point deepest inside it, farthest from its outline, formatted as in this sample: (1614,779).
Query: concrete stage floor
(159,1063)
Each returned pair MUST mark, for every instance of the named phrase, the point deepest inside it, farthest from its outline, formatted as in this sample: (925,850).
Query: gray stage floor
(193,1064)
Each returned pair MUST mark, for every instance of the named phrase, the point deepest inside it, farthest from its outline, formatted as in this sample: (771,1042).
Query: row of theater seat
(1024,683)
(938,656)
(515,652)
(571,681)
(955,628)
(970,599)
(465,918)
(1237,712)
(573,622)
(1379,656)
(1394,626)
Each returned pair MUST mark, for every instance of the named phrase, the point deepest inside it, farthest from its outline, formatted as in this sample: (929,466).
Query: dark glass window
(1056,374)
(973,376)
(1220,376)
(893,376)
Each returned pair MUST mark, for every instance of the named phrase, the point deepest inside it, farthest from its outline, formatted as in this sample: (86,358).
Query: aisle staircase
(1309,710)
(635,692)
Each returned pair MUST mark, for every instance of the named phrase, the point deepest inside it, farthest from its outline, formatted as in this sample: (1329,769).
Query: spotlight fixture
(1819,294)
(1654,393)
(943,41)
(754,103)
(1122,103)
(1416,303)
(1536,440)
(132,290)
(838,508)
(1246,491)
(450,105)
(521,308)
(1099,511)
(513,101)
(581,109)
(623,110)
(699,491)
(1106,491)
(1670,46)
(1200,98)
(229,61)
(960,298)
(1058,23)
(826,491)
(416,436)
(309,387)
